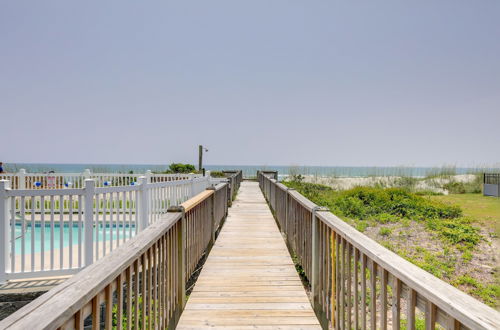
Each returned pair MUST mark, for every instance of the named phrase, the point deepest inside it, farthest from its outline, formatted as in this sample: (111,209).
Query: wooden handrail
(190,203)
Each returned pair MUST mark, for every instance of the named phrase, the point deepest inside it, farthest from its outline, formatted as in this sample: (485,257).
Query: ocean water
(251,170)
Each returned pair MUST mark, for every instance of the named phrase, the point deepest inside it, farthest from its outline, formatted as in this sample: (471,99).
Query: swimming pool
(69,234)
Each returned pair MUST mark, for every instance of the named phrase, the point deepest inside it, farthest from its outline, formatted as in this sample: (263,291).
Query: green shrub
(361,226)
(455,187)
(365,201)
(472,187)
(456,231)
(181,168)
(428,193)
(489,293)
(217,174)
(438,264)
(387,218)
(467,256)
(406,182)
(419,324)
(393,205)
(405,222)
(384,231)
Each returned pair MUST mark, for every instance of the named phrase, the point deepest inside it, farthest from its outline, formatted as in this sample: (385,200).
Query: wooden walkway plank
(249,280)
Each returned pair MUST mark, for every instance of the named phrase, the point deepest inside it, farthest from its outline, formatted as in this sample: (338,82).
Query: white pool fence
(46,231)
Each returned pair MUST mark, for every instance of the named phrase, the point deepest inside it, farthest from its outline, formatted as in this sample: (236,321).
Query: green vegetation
(126,319)
(488,293)
(384,205)
(483,210)
(384,231)
(180,168)
(457,231)
(419,324)
(439,264)
(455,187)
(433,232)
(217,174)
(442,172)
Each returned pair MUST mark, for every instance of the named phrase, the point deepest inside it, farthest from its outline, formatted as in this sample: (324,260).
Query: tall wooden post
(315,255)
(181,255)
(200,157)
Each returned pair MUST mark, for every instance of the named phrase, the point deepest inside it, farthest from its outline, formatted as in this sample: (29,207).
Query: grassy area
(445,237)
(483,209)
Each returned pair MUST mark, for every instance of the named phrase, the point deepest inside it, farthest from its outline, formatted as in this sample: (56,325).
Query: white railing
(24,180)
(45,232)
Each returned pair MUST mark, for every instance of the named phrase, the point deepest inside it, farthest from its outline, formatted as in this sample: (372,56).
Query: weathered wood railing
(235,178)
(142,283)
(356,282)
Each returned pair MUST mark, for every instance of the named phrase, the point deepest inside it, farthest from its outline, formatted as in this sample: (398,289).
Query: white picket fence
(45,232)
(24,180)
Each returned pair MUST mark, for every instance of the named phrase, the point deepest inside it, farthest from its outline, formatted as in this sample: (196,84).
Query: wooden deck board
(249,280)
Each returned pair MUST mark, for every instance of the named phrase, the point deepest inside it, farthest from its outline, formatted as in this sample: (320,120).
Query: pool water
(104,234)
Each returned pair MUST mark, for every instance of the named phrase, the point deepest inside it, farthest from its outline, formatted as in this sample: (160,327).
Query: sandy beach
(421,184)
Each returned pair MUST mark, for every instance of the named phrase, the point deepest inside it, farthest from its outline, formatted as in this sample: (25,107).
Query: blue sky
(365,83)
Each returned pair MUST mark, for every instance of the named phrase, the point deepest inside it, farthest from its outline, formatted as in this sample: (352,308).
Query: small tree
(181,168)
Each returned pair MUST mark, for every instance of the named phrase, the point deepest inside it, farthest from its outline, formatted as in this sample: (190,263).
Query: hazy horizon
(320,83)
(493,165)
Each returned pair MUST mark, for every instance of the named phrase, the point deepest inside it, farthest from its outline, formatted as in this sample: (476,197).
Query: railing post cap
(176,208)
(90,181)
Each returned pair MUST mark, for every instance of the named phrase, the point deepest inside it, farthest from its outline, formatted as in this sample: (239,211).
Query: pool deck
(31,285)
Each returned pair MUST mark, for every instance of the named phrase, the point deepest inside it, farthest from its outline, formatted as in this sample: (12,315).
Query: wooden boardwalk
(249,280)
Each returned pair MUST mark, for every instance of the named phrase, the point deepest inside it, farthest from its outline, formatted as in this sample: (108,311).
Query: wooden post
(212,217)
(315,256)
(229,192)
(200,157)
(181,256)
(88,213)
(334,278)
(287,207)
